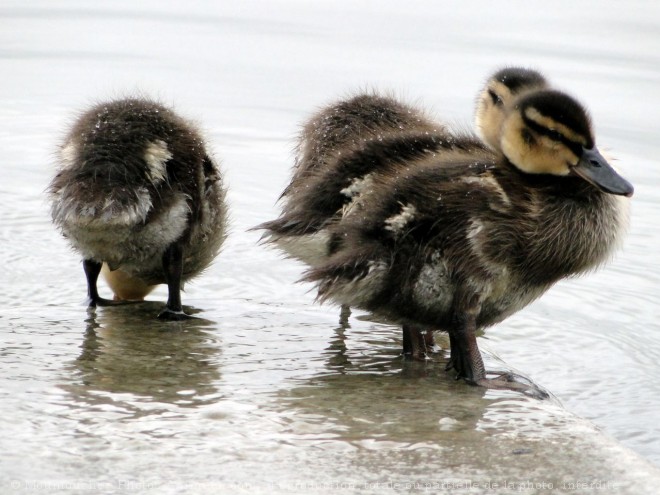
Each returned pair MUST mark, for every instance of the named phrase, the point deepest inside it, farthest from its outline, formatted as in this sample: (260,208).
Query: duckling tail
(353,282)
(88,202)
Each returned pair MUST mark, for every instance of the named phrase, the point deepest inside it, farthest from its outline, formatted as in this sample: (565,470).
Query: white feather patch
(433,288)
(358,186)
(156,156)
(68,154)
(398,222)
(311,249)
(358,291)
(67,210)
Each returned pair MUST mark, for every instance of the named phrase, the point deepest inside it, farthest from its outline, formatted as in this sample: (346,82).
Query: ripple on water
(266,391)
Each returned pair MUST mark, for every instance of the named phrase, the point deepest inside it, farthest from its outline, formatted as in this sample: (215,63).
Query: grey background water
(266,391)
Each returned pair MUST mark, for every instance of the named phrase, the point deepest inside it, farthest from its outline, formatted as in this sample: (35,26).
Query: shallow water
(266,391)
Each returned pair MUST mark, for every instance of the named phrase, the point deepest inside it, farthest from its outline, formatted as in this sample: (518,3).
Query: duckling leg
(92,270)
(466,360)
(344,315)
(173,269)
(416,342)
(465,357)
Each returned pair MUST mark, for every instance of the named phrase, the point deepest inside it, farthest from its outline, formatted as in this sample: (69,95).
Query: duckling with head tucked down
(138,193)
(325,187)
(462,239)
(344,145)
(322,185)
(347,123)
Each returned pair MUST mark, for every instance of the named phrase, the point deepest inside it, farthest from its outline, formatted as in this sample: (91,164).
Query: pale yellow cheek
(552,162)
(567,156)
(549,144)
(124,286)
(543,157)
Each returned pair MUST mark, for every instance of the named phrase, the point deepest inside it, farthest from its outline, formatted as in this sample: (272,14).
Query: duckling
(502,88)
(342,146)
(465,238)
(324,137)
(325,186)
(138,193)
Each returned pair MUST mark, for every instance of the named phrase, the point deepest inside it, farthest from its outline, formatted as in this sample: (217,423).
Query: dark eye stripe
(553,134)
(496,99)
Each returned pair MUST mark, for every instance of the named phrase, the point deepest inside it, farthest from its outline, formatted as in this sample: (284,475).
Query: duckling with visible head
(500,90)
(337,148)
(137,191)
(462,239)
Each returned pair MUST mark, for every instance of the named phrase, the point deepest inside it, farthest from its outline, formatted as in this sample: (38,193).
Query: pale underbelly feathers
(135,247)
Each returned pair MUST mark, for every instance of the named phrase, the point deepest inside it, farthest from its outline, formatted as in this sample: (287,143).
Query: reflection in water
(395,420)
(275,400)
(418,408)
(126,350)
(371,395)
(398,421)
(437,358)
(373,398)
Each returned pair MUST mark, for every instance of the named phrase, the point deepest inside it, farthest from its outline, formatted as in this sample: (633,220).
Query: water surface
(266,391)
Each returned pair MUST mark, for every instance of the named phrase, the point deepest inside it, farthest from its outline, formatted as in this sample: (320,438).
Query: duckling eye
(555,135)
(496,99)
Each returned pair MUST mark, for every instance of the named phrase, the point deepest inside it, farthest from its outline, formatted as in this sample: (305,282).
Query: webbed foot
(100,301)
(466,360)
(514,382)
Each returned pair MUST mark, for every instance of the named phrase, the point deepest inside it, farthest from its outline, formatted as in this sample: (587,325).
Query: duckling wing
(413,233)
(102,193)
(326,193)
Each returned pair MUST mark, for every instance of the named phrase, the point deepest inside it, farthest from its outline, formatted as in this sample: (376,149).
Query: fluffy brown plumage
(137,190)
(347,123)
(342,146)
(324,186)
(461,239)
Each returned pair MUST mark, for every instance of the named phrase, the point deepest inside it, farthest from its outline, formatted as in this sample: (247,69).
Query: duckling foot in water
(172,268)
(465,237)
(465,359)
(417,341)
(92,270)
(516,383)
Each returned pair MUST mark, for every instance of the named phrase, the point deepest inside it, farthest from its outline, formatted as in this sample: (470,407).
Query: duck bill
(593,168)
